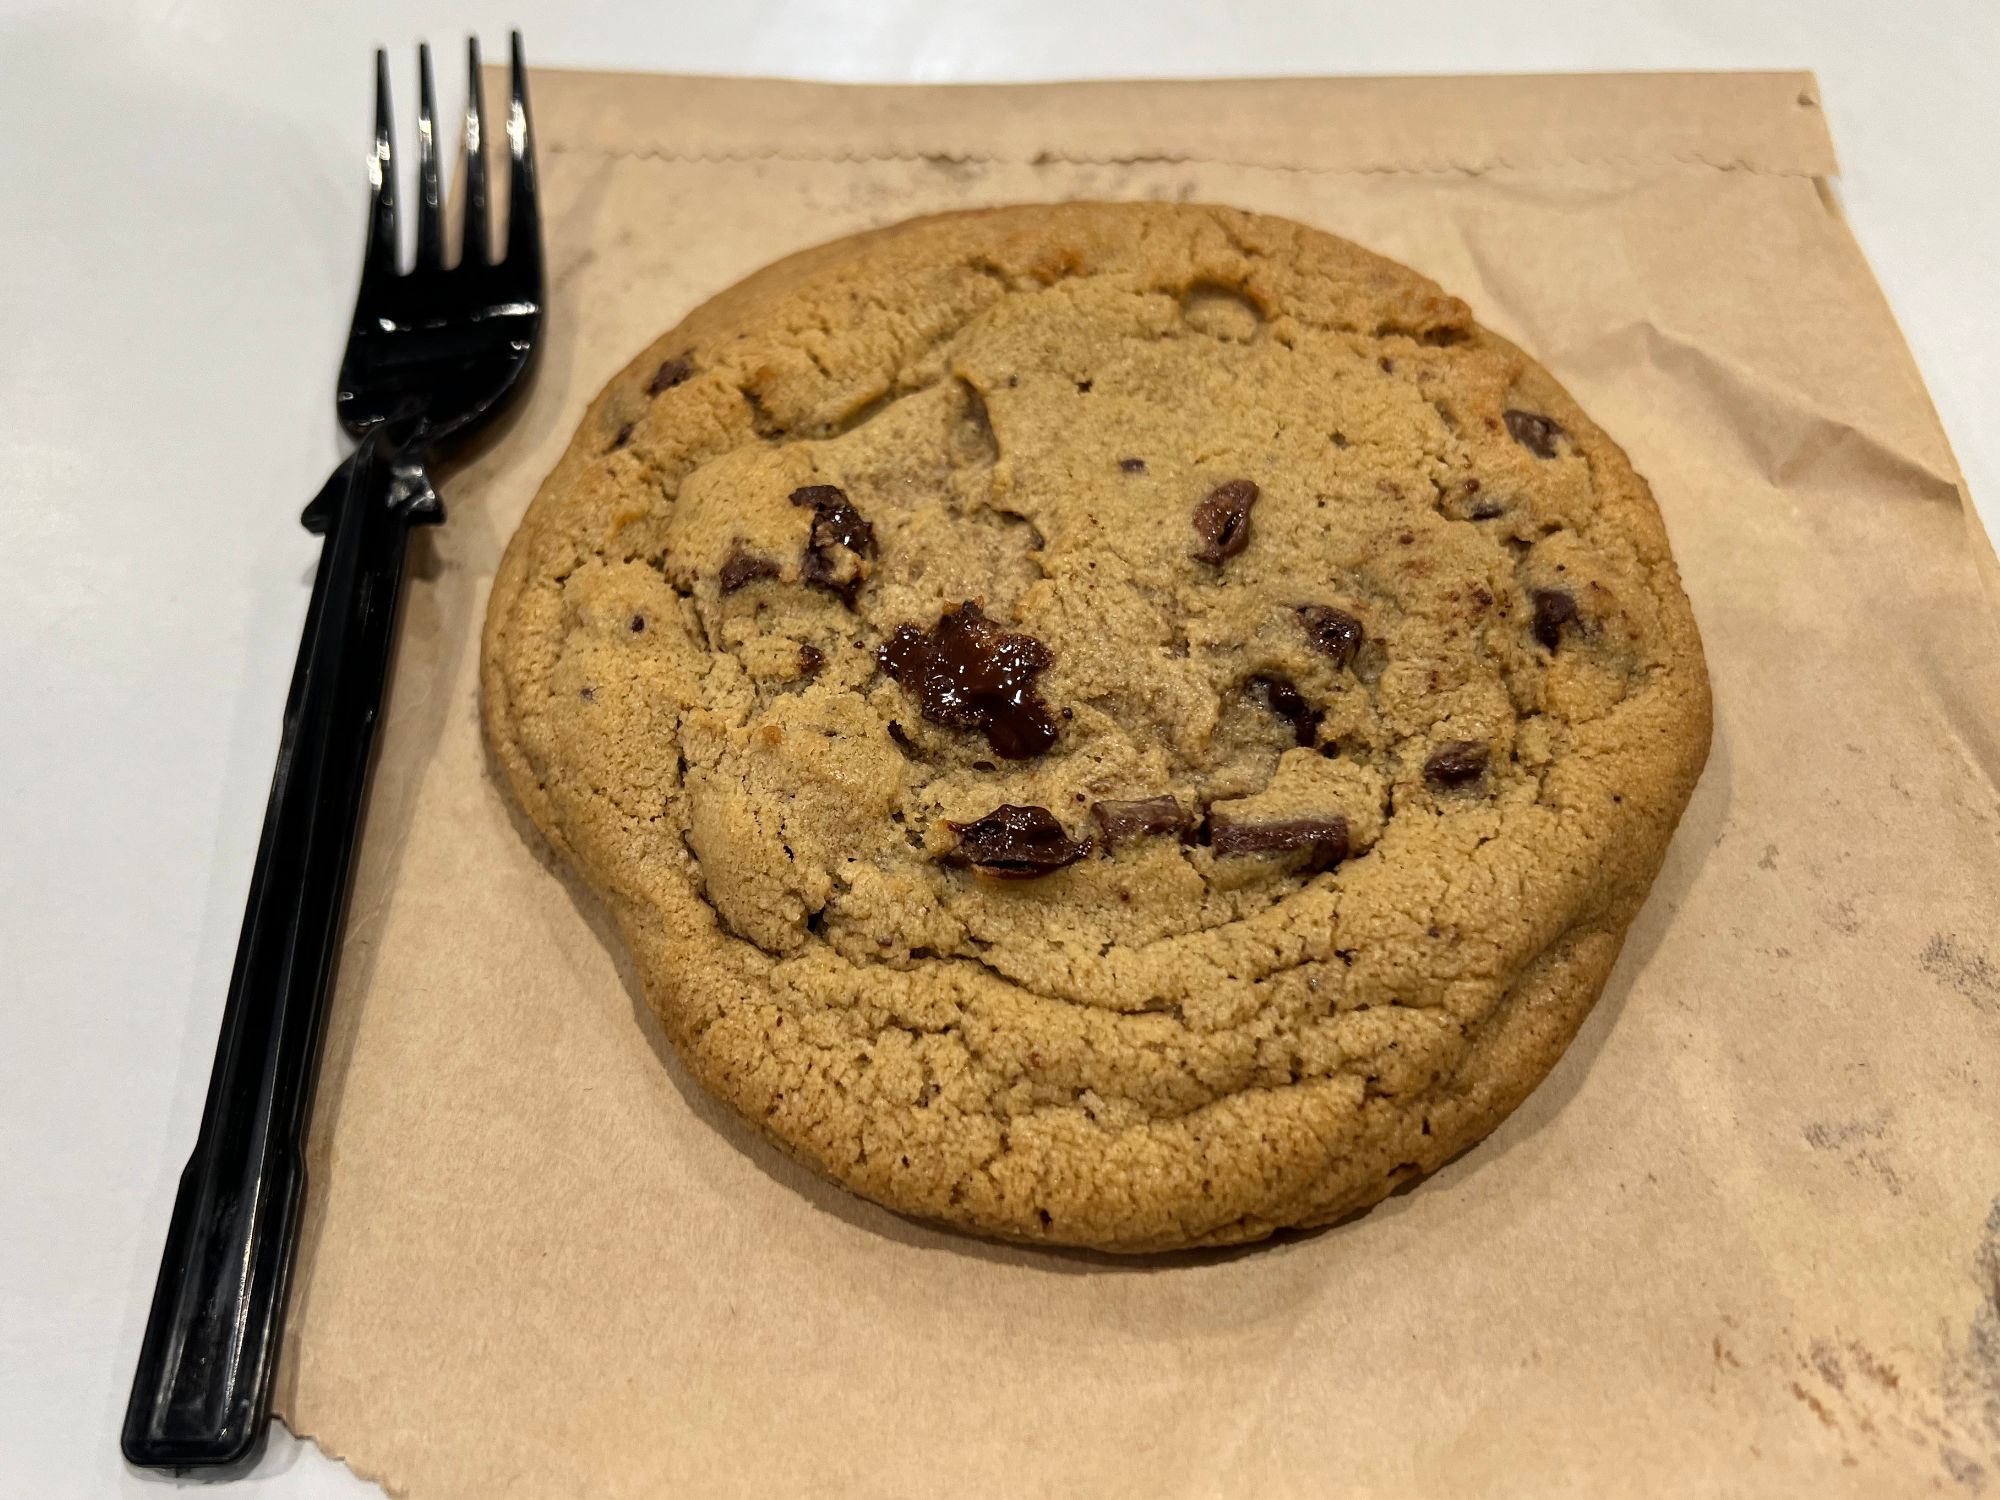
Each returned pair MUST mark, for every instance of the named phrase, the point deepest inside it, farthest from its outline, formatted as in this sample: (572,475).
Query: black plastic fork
(431,356)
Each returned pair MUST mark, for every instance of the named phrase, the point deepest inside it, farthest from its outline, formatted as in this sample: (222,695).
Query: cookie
(1118,725)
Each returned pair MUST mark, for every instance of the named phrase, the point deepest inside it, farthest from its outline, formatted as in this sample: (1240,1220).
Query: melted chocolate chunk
(1457,763)
(1131,820)
(624,436)
(1325,837)
(1287,702)
(1487,510)
(811,659)
(1223,520)
(742,567)
(1017,843)
(672,373)
(1333,632)
(1132,465)
(967,672)
(836,523)
(1533,431)
(1554,610)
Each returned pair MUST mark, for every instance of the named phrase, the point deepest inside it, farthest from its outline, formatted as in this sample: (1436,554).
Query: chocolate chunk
(811,659)
(624,436)
(1333,632)
(1554,609)
(1223,520)
(967,672)
(1487,510)
(638,624)
(1325,837)
(1132,465)
(1017,843)
(742,567)
(1287,702)
(1533,431)
(836,523)
(1131,820)
(672,373)
(1457,763)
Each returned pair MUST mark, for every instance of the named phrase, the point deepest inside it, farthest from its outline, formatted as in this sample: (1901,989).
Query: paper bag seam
(1169,158)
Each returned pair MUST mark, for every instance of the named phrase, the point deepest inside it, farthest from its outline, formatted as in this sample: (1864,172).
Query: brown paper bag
(1745,1239)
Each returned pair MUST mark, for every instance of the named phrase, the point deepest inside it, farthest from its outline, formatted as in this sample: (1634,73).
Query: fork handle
(202,1394)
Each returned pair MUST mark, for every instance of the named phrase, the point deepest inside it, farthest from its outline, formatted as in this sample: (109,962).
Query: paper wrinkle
(539,1262)
(1786,434)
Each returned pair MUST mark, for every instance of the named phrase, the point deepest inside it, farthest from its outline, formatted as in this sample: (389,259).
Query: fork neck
(404,446)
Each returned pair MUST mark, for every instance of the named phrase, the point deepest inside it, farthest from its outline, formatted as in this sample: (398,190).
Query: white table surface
(180,217)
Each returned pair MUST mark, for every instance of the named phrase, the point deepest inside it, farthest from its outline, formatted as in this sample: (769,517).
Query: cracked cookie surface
(1124,725)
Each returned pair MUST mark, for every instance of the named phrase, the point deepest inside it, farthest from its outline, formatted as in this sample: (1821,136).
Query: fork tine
(430,220)
(379,260)
(478,246)
(524,220)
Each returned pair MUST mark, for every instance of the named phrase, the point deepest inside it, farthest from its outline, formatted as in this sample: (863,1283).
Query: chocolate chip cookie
(1126,725)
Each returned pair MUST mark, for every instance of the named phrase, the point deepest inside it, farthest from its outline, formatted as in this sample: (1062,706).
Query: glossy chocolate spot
(676,370)
(965,671)
(1132,465)
(1017,843)
(1457,763)
(1555,610)
(811,659)
(1131,820)
(1487,510)
(1326,837)
(1333,632)
(1533,431)
(743,567)
(836,525)
(1223,520)
(1287,702)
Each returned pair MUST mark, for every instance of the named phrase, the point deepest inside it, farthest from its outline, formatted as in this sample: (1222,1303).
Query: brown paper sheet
(1745,1240)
